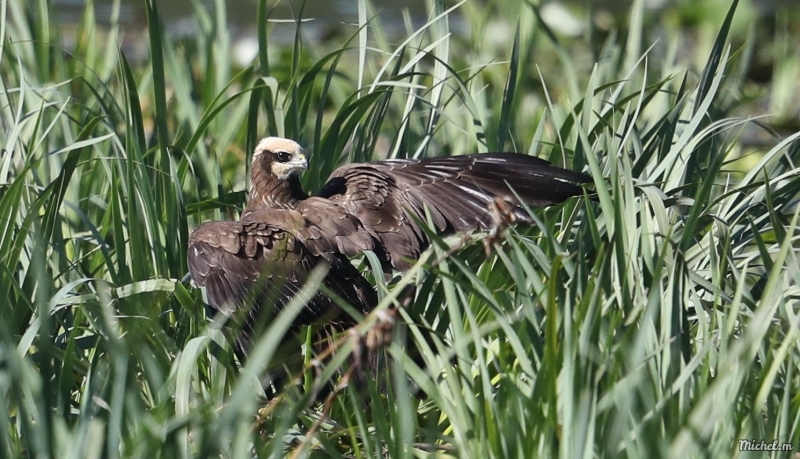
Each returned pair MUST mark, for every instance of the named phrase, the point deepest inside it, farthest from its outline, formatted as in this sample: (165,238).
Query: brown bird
(261,261)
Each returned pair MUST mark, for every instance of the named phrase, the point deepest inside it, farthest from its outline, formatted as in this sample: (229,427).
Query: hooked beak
(298,164)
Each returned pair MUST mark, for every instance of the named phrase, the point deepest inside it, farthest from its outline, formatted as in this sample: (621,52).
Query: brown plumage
(283,233)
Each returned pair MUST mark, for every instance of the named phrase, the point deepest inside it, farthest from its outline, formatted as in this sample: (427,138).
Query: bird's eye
(283,156)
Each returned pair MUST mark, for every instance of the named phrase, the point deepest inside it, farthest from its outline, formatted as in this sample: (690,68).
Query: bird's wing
(326,232)
(231,258)
(330,229)
(458,192)
(262,262)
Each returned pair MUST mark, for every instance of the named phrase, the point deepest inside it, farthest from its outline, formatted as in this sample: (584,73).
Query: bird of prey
(262,260)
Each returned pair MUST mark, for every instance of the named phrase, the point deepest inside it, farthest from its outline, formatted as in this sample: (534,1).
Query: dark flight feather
(457,191)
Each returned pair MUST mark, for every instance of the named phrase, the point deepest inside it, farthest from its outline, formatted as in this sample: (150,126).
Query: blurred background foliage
(677,35)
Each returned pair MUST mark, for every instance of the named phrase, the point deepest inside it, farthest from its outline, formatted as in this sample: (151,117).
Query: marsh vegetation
(657,317)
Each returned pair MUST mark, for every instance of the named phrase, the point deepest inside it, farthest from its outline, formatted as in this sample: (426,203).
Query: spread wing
(251,265)
(458,191)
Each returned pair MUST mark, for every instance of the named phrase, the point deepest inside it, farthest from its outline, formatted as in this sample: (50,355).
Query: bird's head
(282,157)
